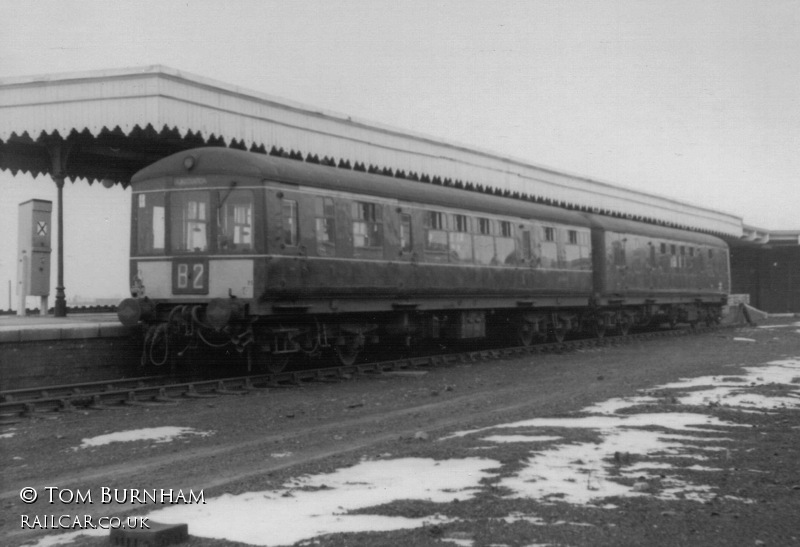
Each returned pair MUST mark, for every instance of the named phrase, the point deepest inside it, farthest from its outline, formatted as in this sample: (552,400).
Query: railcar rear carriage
(645,274)
(277,257)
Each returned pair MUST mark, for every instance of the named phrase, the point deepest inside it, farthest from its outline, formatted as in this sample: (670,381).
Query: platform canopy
(753,236)
(106,125)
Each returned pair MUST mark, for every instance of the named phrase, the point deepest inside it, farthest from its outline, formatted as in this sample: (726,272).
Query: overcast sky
(697,100)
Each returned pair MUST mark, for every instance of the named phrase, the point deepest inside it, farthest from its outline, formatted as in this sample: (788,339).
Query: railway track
(161,391)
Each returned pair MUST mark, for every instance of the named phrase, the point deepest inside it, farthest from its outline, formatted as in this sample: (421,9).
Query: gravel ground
(261,440)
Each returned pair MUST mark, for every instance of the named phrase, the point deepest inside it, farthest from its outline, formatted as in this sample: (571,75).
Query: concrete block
(37,333)
(112,330)
(156,535)
(9,335)
(79,332)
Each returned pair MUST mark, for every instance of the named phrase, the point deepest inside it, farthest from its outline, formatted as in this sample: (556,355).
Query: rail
(165,391)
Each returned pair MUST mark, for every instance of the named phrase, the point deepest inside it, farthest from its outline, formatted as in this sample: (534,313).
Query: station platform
(36,328)
(42,350)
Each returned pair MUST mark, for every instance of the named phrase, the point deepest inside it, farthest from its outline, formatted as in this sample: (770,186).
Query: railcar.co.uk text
(103,495)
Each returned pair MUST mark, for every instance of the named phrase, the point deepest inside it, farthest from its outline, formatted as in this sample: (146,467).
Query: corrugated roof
(166,99)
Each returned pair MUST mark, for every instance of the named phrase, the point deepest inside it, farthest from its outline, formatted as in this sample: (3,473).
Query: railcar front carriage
(281,257)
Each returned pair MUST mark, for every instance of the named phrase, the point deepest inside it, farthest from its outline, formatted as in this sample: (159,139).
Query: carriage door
(527,247)
(406,238)
(652,266)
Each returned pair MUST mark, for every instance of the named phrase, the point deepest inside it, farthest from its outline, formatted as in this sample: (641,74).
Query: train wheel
(276,363)
(599,328)
(673,320)
(525,333)
(559,333)
(347,353)
(624,325)
(259,361)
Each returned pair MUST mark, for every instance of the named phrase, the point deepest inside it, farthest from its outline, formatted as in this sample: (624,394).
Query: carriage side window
(548,249)
(406,242)
(291,225)
(505,246)
(527,251)
(577,251)
(189,221)
(484,242)
(461,239)
(367,225)
(461,223)
(235,221)
(662,261)
(435,231)
(573,237)
(325,226)
(150,224)
(618,248)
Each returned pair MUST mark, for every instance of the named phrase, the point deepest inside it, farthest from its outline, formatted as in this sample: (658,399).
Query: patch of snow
(459,541)
(520,438)
(580,473)
(460,434)
(702,468)
(320,504)
(671,420)
(742,339)
(66,539)
(612,406)
(517,517)
(730,391)
(731,398)
(157,434)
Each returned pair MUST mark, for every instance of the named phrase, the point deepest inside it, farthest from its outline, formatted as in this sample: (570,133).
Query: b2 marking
(190,276)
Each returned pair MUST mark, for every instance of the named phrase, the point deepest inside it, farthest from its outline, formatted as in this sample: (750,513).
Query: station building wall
(771,276)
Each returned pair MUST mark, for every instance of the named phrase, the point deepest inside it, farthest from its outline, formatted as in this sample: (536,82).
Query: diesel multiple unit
(277,257)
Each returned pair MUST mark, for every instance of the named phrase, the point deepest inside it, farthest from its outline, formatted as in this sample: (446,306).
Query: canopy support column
(59,150)
(60,305)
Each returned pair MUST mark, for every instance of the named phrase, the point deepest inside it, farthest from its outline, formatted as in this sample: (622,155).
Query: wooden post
(22,284)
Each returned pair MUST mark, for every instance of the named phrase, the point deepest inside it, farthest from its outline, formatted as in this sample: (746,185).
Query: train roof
(238,163)
(625,226)
(230,162)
